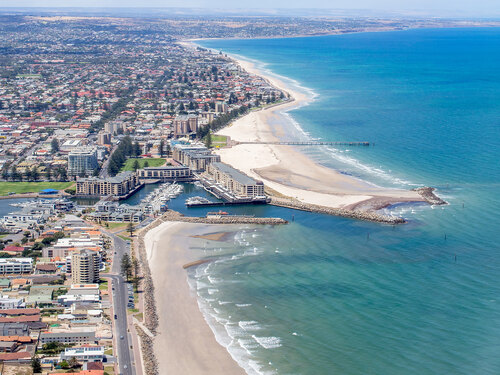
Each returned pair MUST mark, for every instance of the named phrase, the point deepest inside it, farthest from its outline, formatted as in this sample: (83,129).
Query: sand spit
(304,183)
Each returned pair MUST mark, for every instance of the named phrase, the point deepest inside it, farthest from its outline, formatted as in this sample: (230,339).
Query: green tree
(126,266)
(48,173)
(130,229)
(35,175)
(36,365)
(54,145)
(27,174)
(161,148)
(208,140)
(137,149)
(63,174)
(135,166)
(146,164)
(5,173)
(73,362)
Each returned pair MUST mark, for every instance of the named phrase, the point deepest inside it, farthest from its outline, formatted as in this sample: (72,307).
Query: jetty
(171,215)
(304,143)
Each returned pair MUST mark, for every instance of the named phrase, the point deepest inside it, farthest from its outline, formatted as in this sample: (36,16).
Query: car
(116,317)
(121,337)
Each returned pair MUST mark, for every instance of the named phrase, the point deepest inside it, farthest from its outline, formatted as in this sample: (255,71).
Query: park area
(7,188)
(151,162)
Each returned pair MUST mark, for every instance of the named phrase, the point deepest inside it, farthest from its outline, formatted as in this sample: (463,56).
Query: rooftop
(234,173)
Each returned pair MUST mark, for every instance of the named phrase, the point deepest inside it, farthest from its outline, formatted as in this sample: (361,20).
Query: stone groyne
(352,214)
(150,313)
(148,352)
(430,197)
(176,216)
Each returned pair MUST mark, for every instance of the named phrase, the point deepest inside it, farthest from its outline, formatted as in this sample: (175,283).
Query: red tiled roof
(14,356)
(12,248)
(19,311)
(20,319)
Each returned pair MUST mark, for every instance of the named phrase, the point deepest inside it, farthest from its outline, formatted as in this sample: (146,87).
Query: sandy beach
(291,173)
(185,344)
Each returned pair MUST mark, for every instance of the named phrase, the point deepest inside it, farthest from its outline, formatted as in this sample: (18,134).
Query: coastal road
(122,339)
(120,298)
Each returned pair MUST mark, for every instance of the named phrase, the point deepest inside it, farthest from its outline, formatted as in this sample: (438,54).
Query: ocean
(329,295)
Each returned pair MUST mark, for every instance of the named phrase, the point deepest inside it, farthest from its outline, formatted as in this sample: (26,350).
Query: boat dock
(308,143)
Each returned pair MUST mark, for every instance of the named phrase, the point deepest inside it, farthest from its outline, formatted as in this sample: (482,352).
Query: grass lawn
(31,187)
(103,285)
(109,351)
(219,140)
(117,225)
(153,162)
(125,238)
(139,316)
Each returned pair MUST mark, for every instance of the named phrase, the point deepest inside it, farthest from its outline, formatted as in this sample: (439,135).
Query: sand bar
(291,173)
(185,344)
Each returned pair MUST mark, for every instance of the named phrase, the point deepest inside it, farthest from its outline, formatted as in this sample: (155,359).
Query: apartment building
(185,124)
(235,182)
(166,173)
(119,186)
(16,265)
(82,161)
(84,267)
(195,157)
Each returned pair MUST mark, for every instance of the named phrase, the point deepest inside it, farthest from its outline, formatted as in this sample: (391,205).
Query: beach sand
(185,344)
(291,173)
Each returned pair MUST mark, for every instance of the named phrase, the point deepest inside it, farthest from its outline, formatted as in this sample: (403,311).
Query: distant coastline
(287,171)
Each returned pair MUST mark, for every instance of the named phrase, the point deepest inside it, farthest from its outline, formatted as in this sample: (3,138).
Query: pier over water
(308,143)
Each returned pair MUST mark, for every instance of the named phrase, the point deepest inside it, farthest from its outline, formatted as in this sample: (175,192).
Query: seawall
(359,215)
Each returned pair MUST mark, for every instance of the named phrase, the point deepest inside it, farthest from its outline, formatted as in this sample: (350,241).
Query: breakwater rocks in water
(176,216)
(430,197)
(359,215)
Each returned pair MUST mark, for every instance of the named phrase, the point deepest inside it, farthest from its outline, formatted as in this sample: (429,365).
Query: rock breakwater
(352,214)
(430,197)
(176,216)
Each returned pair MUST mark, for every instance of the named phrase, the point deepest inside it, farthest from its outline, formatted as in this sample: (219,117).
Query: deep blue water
(327,295)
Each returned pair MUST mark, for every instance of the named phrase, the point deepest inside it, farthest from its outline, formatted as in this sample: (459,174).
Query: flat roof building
(16,265)
(82,161)
(166,173)
(233,183)
(119,186)
(84,267)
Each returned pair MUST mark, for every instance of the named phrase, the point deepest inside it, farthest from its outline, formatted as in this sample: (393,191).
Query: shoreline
(185,342)
(288,171)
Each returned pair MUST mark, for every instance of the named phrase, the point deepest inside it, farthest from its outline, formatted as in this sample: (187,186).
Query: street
(120,298)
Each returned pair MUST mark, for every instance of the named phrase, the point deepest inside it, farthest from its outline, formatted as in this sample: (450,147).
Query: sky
(472,8)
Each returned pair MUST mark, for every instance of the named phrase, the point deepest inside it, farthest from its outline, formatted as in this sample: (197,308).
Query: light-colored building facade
(16,265)
(118,186)
(166,173)
(84,267)
(82,161)
(236,182)
(195,157)
(83,354)
(185,124)
(104,139)
(69,337)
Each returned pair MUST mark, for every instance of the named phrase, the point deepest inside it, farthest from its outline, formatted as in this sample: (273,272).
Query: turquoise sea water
(327,295)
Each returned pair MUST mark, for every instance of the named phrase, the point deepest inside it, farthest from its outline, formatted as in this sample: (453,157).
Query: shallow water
(326,295)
